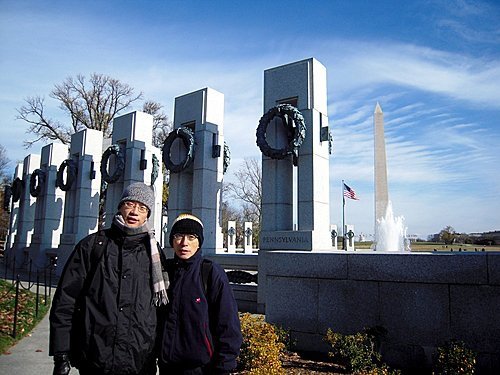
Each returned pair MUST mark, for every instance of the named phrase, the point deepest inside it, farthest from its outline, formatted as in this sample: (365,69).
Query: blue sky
(434,67)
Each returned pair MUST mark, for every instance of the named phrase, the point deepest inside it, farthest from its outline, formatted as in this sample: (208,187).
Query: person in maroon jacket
(199,329)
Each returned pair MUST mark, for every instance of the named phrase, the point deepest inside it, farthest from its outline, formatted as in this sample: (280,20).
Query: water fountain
(391,232)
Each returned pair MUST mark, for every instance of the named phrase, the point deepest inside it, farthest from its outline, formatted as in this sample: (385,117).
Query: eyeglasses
(140,207)
(189,237)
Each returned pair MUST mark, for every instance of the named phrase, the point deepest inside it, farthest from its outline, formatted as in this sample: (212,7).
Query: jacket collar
(186,263)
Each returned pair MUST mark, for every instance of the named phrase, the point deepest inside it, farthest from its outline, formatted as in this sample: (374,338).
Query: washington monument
(381,191)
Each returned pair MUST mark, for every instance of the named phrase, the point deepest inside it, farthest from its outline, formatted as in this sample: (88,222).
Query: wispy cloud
(472,21)
(455,76)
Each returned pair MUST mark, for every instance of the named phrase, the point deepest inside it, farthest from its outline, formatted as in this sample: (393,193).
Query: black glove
(61,364)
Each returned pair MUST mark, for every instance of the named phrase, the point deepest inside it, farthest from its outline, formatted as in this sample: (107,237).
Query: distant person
(199,329)
(103,316)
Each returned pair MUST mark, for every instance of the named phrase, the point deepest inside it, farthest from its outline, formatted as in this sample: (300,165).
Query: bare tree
(248,190)
(161,123)
(4,162)
(4,179)
(248,187)
(91,105)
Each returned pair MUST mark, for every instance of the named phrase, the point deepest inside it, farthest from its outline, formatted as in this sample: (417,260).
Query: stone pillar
(14,211)
(133,133)
(197,188)
(303,85)
(49,210)
(26,213)
(349,237)
(248,237)
(231,237)
(334,234)
(81,209)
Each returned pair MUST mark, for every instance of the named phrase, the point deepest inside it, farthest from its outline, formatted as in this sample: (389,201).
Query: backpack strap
(100,243)
(96,254)
(206,271)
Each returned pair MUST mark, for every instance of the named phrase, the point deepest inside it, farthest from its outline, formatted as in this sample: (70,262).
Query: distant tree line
(449,236)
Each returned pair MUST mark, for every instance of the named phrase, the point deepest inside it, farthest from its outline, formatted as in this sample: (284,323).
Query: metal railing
(25,278)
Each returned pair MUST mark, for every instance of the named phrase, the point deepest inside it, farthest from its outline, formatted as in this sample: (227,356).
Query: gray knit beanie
(139,192)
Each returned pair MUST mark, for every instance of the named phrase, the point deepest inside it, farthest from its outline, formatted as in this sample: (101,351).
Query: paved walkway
(31,354)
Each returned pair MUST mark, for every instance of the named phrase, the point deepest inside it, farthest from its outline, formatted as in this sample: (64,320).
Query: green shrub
(357,352)
(284,337)
(261,348)
(454,358)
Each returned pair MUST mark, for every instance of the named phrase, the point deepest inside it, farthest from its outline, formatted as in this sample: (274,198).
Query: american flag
(350,193)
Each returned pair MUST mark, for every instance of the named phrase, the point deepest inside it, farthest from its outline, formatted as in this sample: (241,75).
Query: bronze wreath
(37,180)
(227,158)
(155,170)
(119,164)
(295,134)
(349,234)
(71,172)
(187,138)
(17,188)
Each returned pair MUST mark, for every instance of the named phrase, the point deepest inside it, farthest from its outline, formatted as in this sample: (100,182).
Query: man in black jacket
(103,316)
(199,329)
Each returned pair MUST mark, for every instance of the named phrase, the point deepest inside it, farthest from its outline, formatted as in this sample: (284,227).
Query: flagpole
(343,216)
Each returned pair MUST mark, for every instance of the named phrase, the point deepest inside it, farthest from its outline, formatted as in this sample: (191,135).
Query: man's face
(134,213)
(185,245)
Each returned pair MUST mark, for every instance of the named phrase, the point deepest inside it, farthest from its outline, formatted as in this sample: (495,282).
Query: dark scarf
(160,279)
